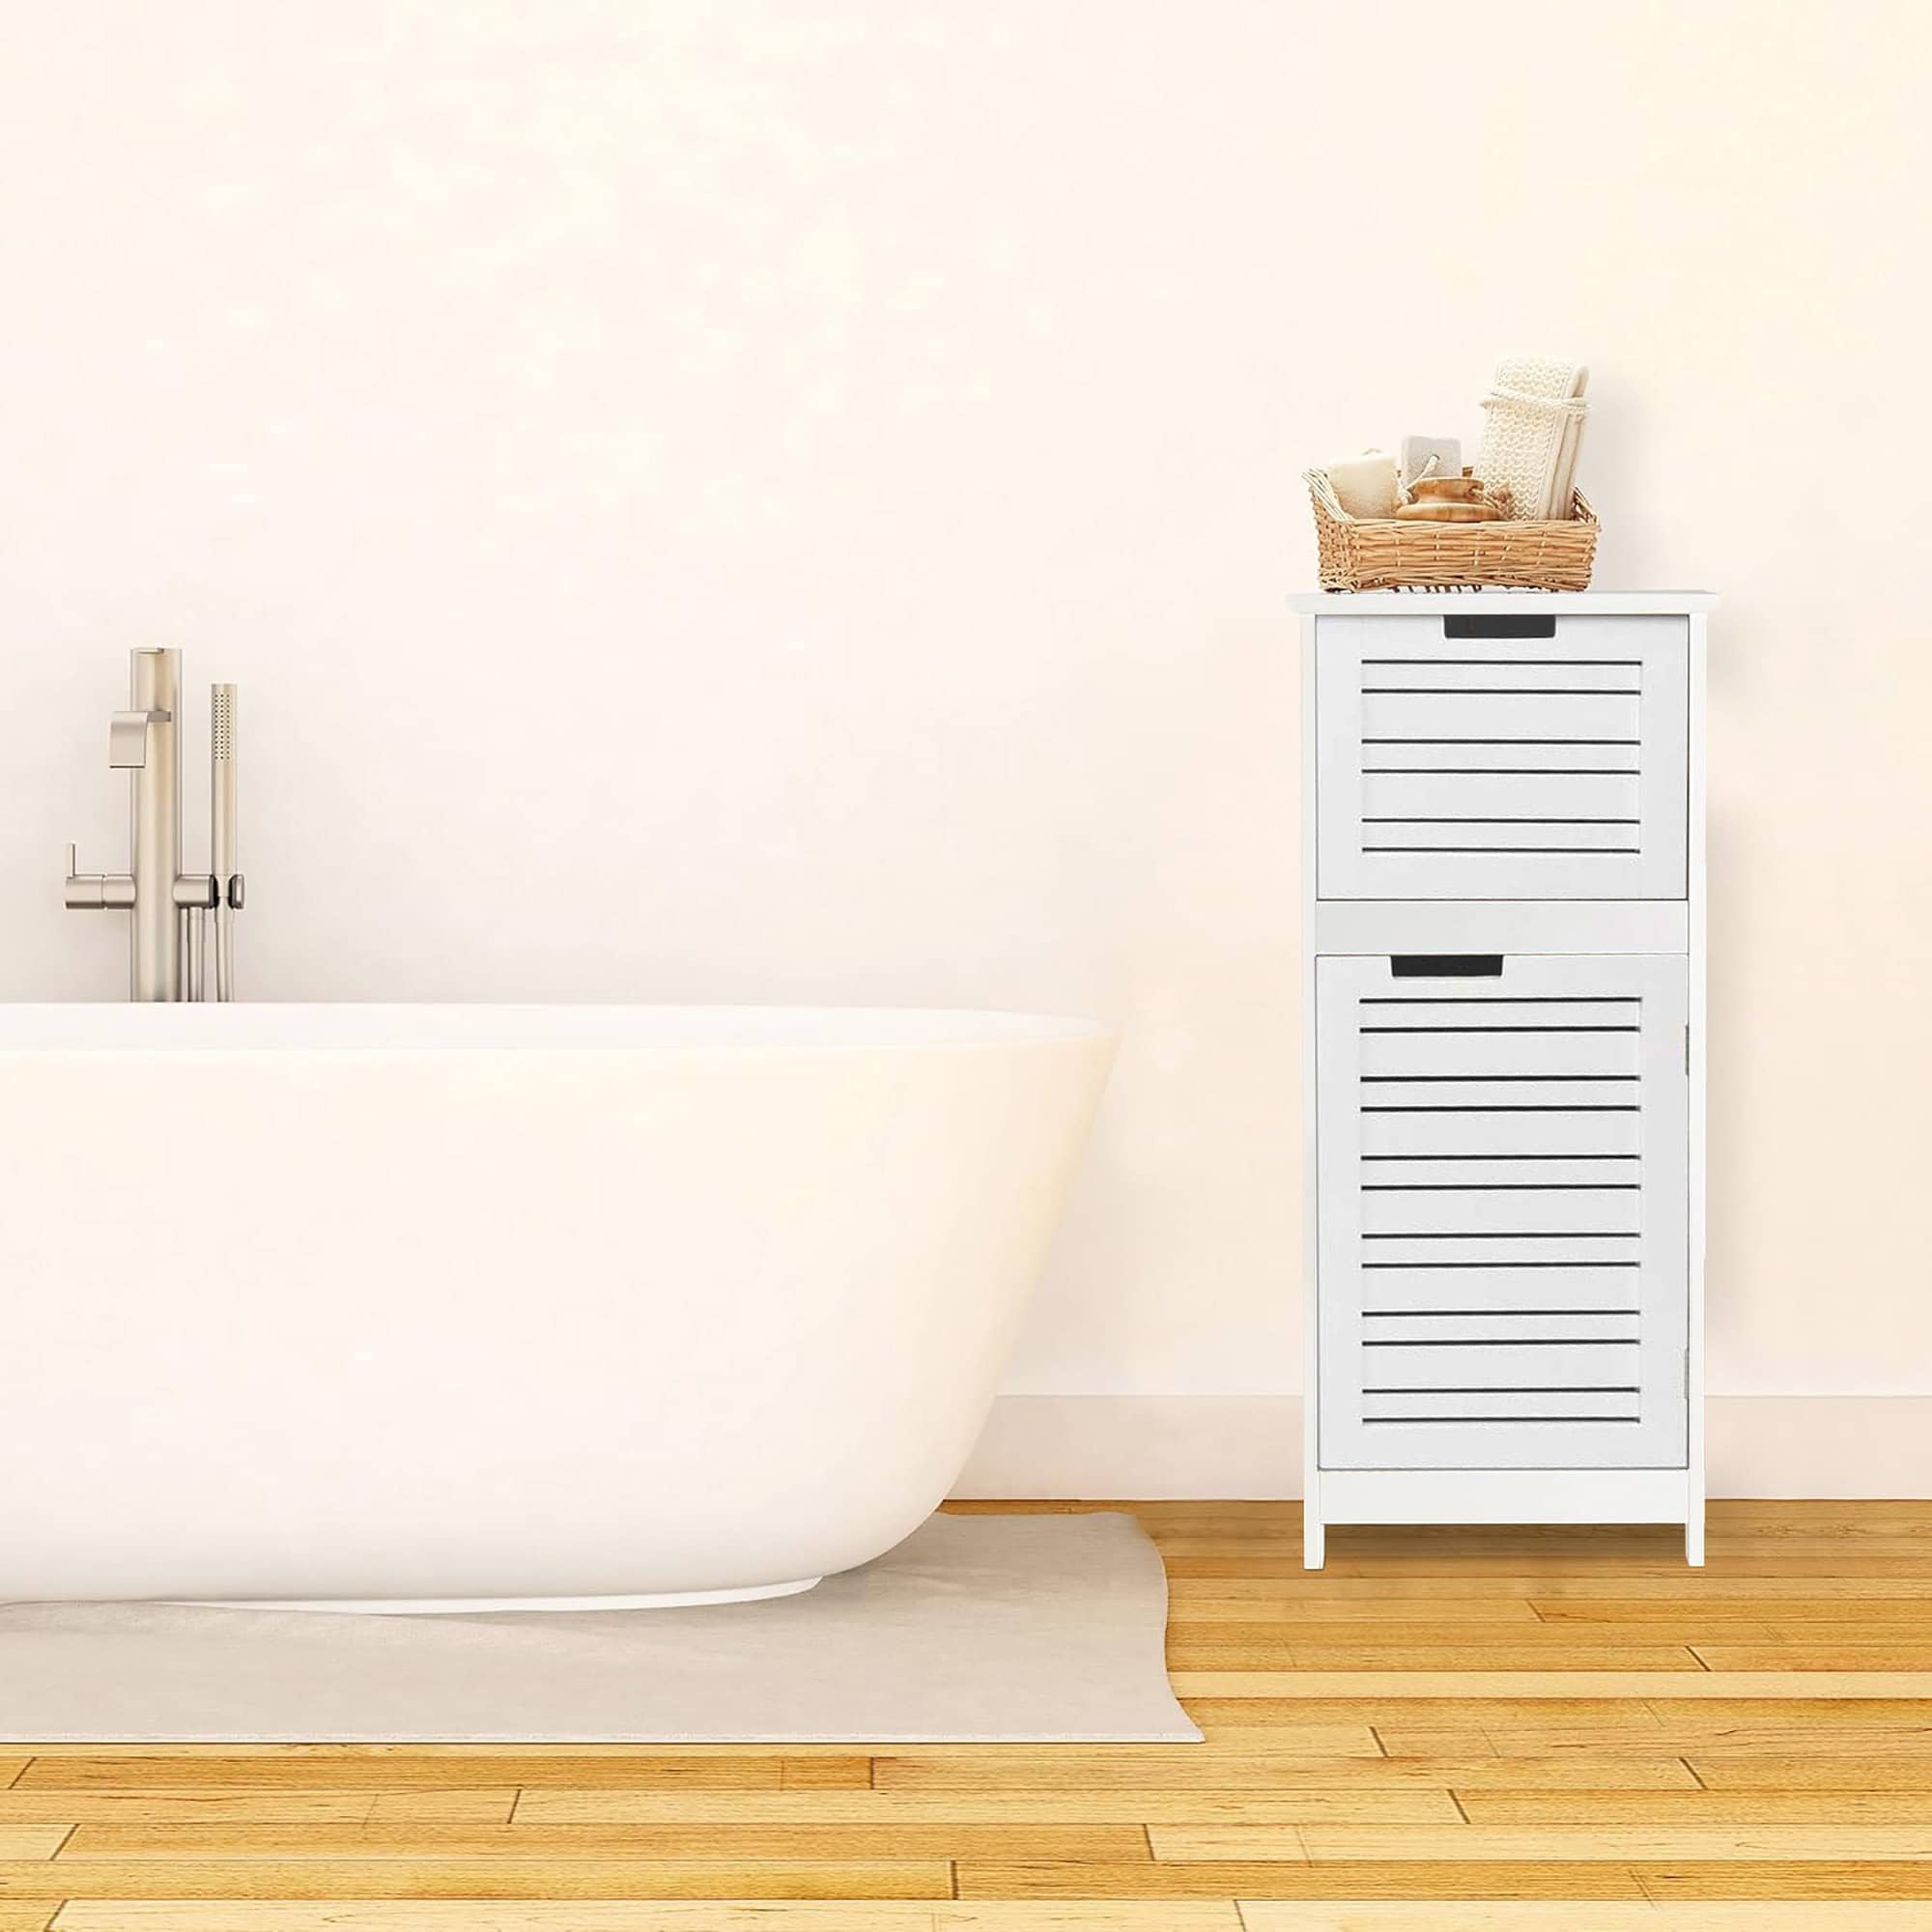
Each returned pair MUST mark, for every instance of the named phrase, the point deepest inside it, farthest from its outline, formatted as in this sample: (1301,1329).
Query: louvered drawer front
(1506,769)
(1503,1258)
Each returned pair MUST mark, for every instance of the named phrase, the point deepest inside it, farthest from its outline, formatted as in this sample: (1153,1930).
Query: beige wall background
(791,502)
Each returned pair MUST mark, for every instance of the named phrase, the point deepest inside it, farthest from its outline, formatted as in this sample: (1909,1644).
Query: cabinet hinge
(1686,1047)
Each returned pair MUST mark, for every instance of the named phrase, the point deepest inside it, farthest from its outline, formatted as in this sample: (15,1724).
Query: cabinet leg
(1693,1541)
(1313,1540)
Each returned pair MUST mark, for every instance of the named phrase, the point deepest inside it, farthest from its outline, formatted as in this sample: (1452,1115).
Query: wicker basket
(1390,554)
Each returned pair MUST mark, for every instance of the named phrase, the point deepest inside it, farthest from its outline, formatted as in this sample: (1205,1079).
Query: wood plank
(1219,1879)
(1493,1712)
(138,1807)
(1550,1684)
(1191,1612)
(1227,1772)
(31,1841)
(1820,1741)
(1794,1653)
(1524,1741)
(898,1838)
(1370,1654)
(477,1753)
(667,1915)
(491,1915)
(1774,1515)
(1625,1843)
(26,1915)
(1421,1633)
(1871,1769)
(1771,1741)
(1885,1713)
(1039,1915)
(1686,1807)
(1844,1613)
(1454,1572)
(1576,1546)
(1518,1916)
(1676,1588)
(1633,1729)
(1729,1878)
(1858,1624)
(375,1769)
(480,1878)
(1685,1716)
(1397,1803)
(1464,1546)
(480,1806)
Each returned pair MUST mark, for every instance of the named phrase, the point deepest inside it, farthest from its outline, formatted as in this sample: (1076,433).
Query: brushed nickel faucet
(171,909)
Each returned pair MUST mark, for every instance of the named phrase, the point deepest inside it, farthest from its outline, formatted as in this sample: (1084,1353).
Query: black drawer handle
(1446,965)
(1499,626)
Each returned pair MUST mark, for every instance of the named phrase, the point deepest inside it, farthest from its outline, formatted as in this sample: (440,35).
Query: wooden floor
(1525,1730)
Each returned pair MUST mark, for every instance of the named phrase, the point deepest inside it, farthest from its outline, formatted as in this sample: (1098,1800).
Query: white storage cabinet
(1503,988)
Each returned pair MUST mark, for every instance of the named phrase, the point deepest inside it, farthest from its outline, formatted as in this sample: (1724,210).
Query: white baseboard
(1250,1446)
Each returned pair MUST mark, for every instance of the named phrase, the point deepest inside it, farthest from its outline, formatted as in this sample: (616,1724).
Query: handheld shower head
(222,828)
(223,835)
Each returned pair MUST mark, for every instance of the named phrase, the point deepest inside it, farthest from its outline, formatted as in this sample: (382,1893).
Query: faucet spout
(127,738)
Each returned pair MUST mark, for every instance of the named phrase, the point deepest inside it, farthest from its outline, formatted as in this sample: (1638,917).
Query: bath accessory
(1449,500)
(1533,425)
(1392,553)
(1430,456)
(528,1304)
(1503,990)
(223,835)
(1366,485)
(976,1629)
(169,908)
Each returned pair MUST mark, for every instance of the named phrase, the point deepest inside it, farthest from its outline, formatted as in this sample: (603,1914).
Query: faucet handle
(96,891)
(127,738)
(83,892)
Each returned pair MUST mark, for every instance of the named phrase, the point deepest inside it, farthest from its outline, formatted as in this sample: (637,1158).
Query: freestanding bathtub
(398,1307)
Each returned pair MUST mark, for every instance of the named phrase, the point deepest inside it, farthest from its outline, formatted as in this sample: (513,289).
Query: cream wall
(790,500)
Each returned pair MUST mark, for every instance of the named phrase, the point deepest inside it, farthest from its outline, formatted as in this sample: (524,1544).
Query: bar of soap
(1416,450)
(1365,485)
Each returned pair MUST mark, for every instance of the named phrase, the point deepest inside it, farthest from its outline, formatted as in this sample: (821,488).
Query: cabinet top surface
(1436,603)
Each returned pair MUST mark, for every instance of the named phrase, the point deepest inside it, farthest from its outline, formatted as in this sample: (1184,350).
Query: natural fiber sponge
(1365,485)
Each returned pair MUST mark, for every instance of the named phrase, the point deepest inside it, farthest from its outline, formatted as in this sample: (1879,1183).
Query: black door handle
(1499,626)
(1446,965)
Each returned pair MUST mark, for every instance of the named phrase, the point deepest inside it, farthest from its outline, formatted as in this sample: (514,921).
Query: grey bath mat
(976,1628)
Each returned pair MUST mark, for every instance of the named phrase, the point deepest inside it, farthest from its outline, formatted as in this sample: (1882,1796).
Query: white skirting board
(1250,1446)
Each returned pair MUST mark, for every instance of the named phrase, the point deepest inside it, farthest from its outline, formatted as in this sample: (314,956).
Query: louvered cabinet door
(1502,1252)
(1459,768)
